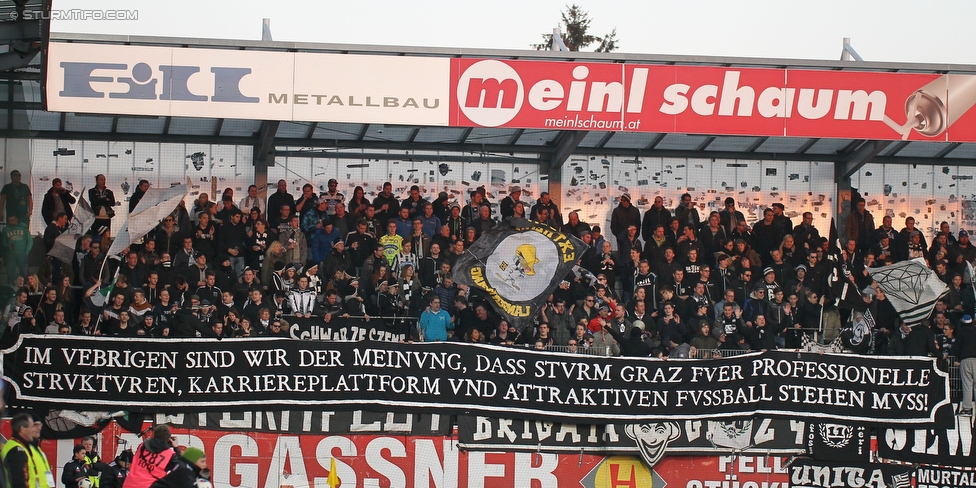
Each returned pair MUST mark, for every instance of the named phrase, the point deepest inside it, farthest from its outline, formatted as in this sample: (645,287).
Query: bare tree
(575,32)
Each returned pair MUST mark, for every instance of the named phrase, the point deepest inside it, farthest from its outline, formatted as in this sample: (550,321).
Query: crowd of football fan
(662,282)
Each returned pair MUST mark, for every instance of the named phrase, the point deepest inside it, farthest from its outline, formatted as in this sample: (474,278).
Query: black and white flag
(64,245)
(809,473)
(911,287)
(838,442)
(862,326)
(155,205)
(969,277)
(518,263)
(839,280)
(735,435)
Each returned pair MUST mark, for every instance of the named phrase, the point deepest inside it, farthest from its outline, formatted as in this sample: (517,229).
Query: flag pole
(816,334)
(111,285)
(105,262)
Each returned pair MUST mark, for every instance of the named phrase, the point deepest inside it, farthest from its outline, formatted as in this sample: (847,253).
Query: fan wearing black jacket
(631,345)
(187,323)
(114,476)
(76,470)
(183,471)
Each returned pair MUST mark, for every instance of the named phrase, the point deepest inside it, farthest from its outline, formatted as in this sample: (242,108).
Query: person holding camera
(151,458)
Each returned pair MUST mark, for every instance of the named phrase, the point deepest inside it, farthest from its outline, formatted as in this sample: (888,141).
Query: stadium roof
(553,147)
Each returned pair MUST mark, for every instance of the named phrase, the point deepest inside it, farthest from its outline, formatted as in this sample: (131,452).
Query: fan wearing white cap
(508,203)
(769,282)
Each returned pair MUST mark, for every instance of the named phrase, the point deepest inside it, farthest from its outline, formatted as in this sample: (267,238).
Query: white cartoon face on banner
(522,265)
(653,439)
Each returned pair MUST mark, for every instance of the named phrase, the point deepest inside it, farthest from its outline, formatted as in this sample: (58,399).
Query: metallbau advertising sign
(224,83)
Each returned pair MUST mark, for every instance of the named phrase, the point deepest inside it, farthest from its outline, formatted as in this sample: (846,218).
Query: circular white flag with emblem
(522,266)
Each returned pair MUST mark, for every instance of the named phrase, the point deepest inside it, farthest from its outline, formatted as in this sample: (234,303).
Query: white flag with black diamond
(911,287)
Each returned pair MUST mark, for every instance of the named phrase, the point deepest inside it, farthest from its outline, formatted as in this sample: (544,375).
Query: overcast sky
(891,30)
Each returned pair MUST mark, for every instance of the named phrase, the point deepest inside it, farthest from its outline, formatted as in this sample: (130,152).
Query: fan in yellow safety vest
(92,461)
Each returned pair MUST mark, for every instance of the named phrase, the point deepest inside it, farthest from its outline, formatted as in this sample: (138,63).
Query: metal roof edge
(531,54)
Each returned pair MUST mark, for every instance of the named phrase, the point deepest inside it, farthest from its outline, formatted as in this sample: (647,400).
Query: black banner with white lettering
(952,446)
(101,373)
(838,442)
(651,440)
(807,473)
(343,329)
(936,477)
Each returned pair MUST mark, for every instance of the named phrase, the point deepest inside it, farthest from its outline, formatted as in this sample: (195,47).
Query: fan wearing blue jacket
(435,322)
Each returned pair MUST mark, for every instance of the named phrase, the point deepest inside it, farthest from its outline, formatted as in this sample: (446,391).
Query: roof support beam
(948,149)
(565,144)
(708,141)
(756,145)
(460,158)
(20,30)
(605,139)
(807,145)
(264,147)
(10,98)
(861,156)
(22,75)
(15,60)
(654,142)
(20,105)
(898,147)
(515,137)
(566,141)
(851,146)
(311,130)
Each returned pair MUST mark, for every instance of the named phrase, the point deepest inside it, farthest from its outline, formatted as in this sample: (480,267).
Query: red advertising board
(712,100)
(249,459)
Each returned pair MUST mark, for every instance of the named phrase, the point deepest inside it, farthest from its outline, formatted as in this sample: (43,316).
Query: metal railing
(955,381)
(588,350)
(718,353)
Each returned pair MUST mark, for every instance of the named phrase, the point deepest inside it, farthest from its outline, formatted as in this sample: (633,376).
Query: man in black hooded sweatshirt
(183,471)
